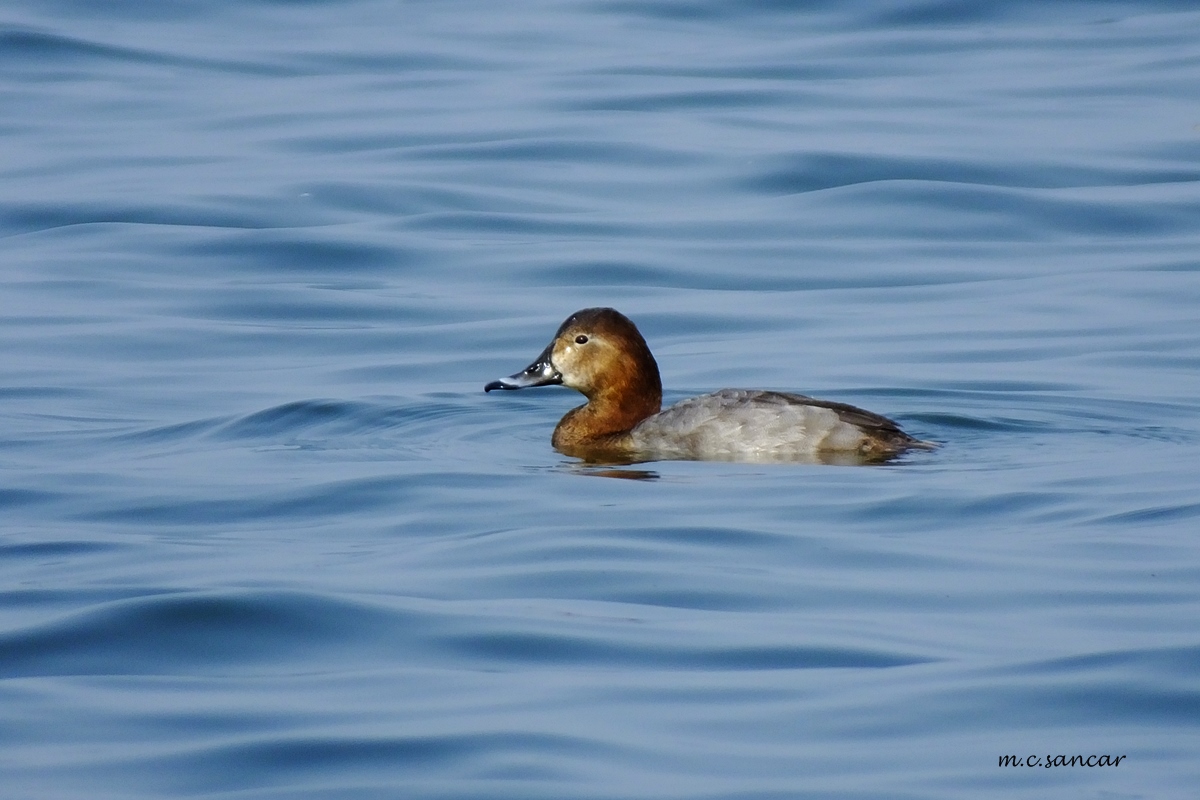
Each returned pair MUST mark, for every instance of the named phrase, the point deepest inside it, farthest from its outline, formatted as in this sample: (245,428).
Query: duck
(600,353)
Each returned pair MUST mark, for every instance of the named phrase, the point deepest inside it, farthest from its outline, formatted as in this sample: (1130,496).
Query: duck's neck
(604,418)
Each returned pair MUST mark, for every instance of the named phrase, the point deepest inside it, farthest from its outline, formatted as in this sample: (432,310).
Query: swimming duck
(601,353)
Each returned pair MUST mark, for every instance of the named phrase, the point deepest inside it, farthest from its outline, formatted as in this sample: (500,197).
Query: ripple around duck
(974,423)
(298,416)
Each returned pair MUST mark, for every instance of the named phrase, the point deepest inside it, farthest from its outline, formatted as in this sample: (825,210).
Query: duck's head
(600,353)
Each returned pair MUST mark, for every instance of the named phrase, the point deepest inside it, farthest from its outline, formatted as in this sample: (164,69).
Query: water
(264,536)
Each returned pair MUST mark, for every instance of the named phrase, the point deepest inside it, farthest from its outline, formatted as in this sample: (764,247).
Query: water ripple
(810,172)
(52,56)
(172,632)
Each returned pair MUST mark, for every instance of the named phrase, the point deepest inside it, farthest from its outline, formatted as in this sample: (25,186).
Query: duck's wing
(876,426)
(860,417)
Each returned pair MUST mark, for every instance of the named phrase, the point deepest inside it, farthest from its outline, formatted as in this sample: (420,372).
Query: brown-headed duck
(600,353)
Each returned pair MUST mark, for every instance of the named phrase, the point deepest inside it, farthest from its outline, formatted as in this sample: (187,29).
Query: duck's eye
(581,339)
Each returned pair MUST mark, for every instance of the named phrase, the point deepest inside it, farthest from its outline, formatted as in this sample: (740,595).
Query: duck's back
(747,424)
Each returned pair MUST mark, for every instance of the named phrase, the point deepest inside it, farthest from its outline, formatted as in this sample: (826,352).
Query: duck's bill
(539,373)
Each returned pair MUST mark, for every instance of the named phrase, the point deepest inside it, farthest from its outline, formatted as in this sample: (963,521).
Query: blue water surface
(264,536)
